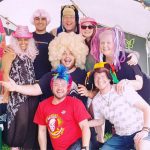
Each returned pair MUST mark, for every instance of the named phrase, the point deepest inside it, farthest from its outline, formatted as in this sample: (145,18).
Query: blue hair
(61,72)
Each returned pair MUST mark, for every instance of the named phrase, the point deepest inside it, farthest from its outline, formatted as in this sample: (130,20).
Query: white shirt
(119,110)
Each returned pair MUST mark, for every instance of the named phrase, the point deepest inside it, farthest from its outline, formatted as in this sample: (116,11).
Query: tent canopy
(129,14)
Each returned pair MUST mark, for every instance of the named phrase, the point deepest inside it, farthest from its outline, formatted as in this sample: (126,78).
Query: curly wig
(72,41)
(31,50)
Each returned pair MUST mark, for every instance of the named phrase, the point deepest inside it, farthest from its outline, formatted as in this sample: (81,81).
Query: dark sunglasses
(89,27)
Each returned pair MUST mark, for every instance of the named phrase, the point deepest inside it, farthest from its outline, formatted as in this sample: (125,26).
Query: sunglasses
(89,27)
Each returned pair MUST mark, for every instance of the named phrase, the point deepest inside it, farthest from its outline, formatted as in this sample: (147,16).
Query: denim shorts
(117,142)
(76,145)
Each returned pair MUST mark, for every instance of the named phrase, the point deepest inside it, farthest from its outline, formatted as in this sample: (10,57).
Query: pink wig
(119,42)
(31,50)
(40,13)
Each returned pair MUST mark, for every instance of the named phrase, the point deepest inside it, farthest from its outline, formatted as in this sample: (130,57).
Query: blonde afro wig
(74,42)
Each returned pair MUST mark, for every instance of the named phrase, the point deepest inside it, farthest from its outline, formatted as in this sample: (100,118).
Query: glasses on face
(89,27)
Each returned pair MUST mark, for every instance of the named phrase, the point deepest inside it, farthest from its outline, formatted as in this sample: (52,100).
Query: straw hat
(22,32)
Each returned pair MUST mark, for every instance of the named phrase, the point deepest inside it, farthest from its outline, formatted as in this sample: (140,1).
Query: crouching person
(129,113)
(64,116)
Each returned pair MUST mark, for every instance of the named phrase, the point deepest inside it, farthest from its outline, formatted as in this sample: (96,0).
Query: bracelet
(84,147)
(146,129)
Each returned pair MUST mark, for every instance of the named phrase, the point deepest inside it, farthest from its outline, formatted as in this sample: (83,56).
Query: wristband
(84,147)
(146,129)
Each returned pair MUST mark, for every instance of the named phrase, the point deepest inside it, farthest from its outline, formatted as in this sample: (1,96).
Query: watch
(84,147)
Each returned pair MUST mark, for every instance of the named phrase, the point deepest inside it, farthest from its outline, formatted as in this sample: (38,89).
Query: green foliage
(107,136)
(5,147)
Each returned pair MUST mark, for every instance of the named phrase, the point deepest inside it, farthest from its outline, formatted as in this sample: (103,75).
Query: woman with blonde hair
(20,129)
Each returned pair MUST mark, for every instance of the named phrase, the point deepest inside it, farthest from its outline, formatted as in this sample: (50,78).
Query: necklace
(106,97)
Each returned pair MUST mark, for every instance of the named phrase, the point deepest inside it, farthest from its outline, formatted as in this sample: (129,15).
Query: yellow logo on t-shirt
(55,125)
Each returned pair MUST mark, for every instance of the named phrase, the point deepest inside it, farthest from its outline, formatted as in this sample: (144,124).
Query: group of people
(48,90)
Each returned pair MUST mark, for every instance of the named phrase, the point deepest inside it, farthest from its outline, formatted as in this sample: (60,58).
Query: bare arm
(42,137)
(85,133)
(145,108)
(137,84)
(32,90)
(99,125)
(7,60)
(100,130)
(96,122)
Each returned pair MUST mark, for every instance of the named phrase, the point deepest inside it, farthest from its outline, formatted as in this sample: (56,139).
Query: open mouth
(68,24)
(67,61)
(105,49)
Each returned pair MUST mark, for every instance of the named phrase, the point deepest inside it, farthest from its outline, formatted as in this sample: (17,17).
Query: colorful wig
(99,68)
(40,13)
(119,42)
(71,41)
(61,72)
(110,69)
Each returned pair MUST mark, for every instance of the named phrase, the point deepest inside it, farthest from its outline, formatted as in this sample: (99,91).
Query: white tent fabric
(128,14)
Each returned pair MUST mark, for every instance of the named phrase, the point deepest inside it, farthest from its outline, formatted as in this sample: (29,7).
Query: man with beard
(68,49)
(61,117)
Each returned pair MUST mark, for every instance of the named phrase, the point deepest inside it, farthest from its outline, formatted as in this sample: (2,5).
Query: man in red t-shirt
(65,117)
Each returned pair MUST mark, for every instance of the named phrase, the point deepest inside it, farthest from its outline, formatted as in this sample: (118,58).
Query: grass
(5,147)
(107,136)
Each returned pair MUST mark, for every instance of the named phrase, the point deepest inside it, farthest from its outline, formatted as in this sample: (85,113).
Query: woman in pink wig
(88,27)
(20,129)
(109,45)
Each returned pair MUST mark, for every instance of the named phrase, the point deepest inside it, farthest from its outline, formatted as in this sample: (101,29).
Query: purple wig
(119,42)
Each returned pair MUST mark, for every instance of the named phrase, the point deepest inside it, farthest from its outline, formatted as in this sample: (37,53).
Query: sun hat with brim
(22,32)
(87,19)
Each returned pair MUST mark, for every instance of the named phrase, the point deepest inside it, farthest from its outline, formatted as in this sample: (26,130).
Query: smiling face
(23,43)
(102,82)
(69,23)
(87,29)
(107,46)
(60,88)
(68,59)
(40,24)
